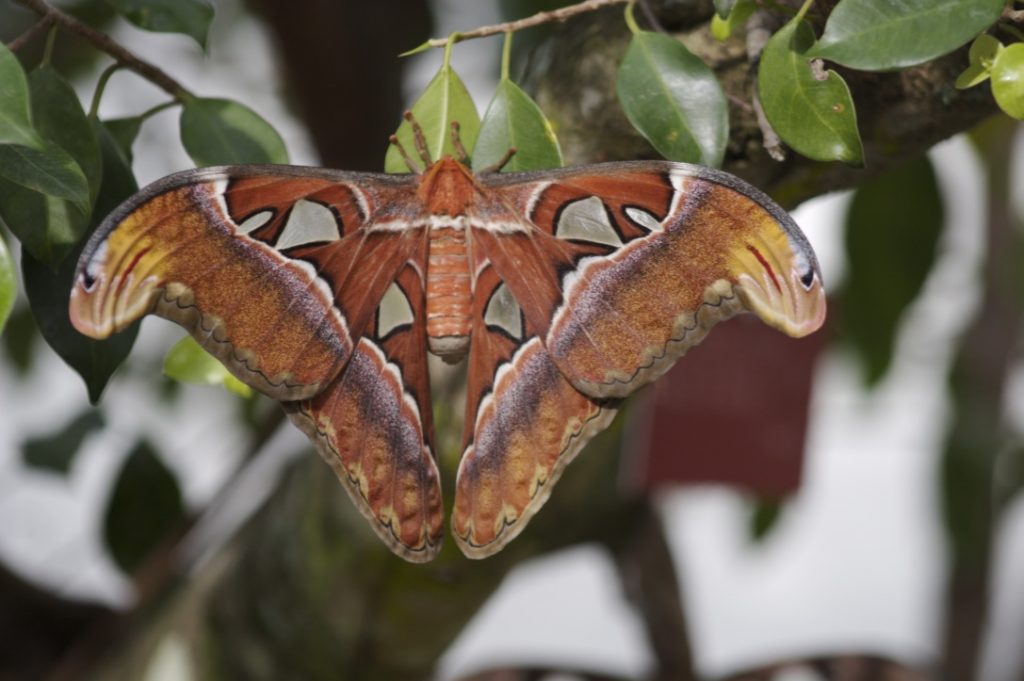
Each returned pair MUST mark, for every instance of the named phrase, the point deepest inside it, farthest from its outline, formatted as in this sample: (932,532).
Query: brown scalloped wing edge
(370,432)
(527,431)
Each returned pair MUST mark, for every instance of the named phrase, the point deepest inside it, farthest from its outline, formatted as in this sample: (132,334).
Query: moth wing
(266,266)
(621,269)
(524,423)
(373,425)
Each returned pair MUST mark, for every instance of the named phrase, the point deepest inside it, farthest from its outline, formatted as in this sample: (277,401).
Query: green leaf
(1008,80)
(877,35)
(191,17)
(56,451)
(892,229)
(813,113)
(48,296)
(982,55)
(118,180)
(144,508)
(223,132)
(514,121)
(15,111)
(124,131)
(8,283)
(974,74)
(59,118)
(444,101)
(673,99)
(46,225)
(189,363)
(985,48)
(723,27)
(50,170)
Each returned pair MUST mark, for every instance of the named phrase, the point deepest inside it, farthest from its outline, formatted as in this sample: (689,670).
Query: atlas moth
(567,289)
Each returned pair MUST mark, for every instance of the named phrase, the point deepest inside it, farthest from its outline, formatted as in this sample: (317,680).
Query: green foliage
(118,180)
(50,170)
(724,26)
(1008,80)
(189,363)
(191,17)
(1004,65)
(124,131)
(514,121)
(220,131)
(8,283)
(55,452)
(444,101)
(46,197)
(877,35)
(144,507)
(15,114)
(673,99)
(811,113)
(58,116)
(982,54)
(50,215)
(892,229)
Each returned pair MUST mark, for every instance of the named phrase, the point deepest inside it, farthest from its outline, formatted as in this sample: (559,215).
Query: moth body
(446,190)
(449,293)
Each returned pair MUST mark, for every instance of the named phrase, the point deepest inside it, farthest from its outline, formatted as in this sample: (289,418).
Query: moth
(567,289)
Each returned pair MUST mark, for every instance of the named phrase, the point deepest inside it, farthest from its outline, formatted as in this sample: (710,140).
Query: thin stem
(152,111)
(803,9)
(51,41)
(529,22)
(101,85)
(1012,30)
(448,44)
(634,28)
(31,34)
(106,44)
(506,56)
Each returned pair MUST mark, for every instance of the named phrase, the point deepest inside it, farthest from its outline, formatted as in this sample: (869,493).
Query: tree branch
(31,34)
(106,44)
(536,20)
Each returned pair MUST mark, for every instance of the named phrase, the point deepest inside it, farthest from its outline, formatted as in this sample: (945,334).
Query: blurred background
(843,506)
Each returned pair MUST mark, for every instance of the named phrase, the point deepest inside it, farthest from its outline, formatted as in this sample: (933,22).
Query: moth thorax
(449,293)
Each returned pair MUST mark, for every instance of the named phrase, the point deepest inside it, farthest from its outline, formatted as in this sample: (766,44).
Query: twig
(31,34)
(105,43)
(759,29)
(536,20)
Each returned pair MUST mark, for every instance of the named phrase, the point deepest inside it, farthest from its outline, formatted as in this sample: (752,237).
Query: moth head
(778,280)
(112,286)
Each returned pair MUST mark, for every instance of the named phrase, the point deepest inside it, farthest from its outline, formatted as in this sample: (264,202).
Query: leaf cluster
(63,169)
